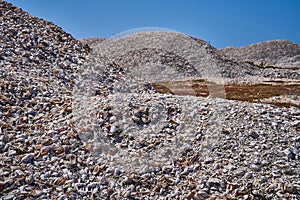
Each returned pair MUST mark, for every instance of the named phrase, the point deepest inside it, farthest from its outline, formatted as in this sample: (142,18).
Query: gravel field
(79,120)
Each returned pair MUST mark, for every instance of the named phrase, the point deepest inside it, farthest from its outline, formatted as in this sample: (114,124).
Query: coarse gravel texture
(157,146)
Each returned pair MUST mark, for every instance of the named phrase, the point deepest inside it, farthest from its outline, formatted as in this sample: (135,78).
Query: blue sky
(220,22)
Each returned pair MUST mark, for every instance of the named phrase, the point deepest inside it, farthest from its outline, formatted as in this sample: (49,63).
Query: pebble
(12,152)
(202,194)
(291,155)
(256,168)
(240,172)
(117,172)
(214,181)
(27,159)
(248,175)
(103,181)
(208,160)
(92,185)
(254,135)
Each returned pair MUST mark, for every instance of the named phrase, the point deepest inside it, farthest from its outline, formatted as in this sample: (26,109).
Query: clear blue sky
(221,22)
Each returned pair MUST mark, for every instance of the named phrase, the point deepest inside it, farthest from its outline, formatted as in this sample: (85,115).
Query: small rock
(112,119)
(191,195)
(276,174)
(1,186)
(92,185)
(103,180)
(96,170)
(208,160)
(29,179)
(11,152)
(38,193)
(254,135)
(78,186)
(27,159)
(213,181)
(291,155)
(255,192)
(113,129)
(248,175)
(9,197)
(68,109)
(199,136)
(264,179)
(240,173)
(256,168)
(290,188)
(117,172)
(225,132)
(202,194)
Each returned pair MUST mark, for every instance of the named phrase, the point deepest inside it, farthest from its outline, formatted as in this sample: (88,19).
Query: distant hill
(278,53)
(257,60)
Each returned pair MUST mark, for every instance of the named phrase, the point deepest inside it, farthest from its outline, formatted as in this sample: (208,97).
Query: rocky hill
(273,59)
(276,53)
(79,122)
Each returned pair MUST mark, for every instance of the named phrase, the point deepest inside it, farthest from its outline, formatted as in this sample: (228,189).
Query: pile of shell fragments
(75,127)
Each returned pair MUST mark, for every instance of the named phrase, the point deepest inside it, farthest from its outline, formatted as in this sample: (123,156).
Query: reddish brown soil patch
(258,92)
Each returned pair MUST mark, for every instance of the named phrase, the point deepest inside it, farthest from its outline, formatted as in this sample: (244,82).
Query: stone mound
(277,53)
(175,50)
(188,57)
(155,145)
(38,62)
